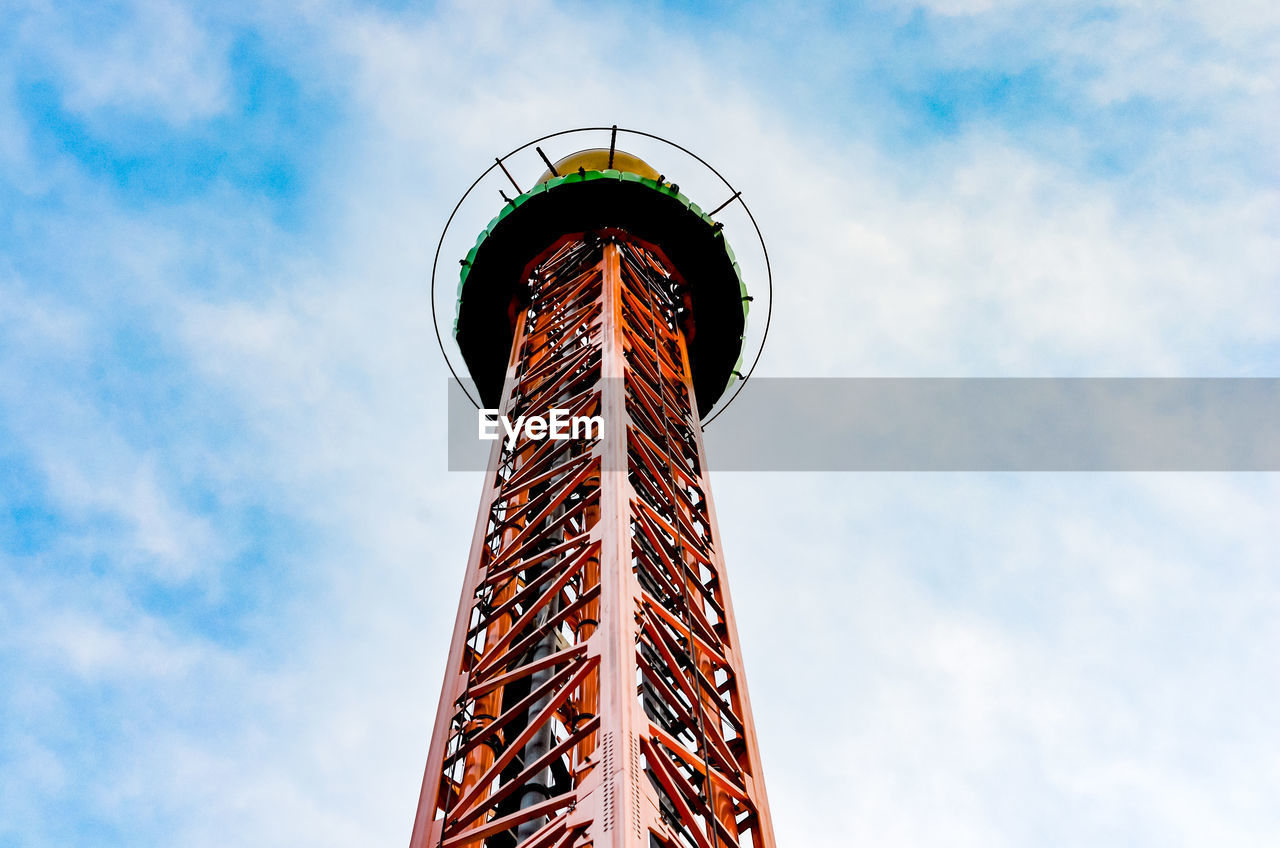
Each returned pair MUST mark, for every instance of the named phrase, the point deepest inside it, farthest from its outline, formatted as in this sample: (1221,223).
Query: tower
(594,693)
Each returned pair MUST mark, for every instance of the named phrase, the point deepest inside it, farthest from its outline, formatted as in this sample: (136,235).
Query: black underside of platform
(694,246)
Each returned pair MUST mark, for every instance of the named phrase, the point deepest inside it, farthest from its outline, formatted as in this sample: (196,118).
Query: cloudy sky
(229,548)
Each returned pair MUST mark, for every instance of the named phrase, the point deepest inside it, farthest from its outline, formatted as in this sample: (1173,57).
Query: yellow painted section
(597,159)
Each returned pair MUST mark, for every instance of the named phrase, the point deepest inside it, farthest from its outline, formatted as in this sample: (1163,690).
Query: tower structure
(595,692)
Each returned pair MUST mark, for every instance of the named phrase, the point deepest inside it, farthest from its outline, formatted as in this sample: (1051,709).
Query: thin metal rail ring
(735,195)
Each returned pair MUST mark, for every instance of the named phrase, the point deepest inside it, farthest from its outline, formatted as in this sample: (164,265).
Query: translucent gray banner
(975,424)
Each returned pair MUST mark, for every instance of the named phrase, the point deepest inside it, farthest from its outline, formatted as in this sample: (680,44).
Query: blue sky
(230,552)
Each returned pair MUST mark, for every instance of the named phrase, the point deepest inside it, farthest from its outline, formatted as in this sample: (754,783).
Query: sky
(230,551)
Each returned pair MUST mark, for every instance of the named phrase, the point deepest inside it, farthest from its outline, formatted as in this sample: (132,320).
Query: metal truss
(594,693)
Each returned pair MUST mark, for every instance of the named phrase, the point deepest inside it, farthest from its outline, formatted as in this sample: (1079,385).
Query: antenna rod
(550,167)
(508,173)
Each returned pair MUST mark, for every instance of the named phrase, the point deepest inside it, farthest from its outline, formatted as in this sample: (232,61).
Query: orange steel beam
(594,693)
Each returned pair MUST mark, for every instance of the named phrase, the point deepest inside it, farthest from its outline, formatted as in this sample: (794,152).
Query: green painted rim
(623,176)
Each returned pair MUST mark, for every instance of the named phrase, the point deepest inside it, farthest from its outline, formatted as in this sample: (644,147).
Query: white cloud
(993,661)
(999,681)
(152,58)
(89,467)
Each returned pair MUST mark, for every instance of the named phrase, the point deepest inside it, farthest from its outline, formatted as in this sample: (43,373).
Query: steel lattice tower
(594,693)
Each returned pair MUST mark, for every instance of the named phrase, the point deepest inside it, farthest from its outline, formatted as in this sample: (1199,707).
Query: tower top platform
(589,192)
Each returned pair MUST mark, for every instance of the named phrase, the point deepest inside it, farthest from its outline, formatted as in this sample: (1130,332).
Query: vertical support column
(740,701)
(624,817)
(699,747)
(437,788)
(511,711)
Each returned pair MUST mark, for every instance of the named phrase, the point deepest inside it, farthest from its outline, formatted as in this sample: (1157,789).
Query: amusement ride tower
(594,693)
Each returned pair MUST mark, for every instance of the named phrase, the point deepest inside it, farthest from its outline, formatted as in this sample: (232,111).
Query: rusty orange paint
(611,550)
